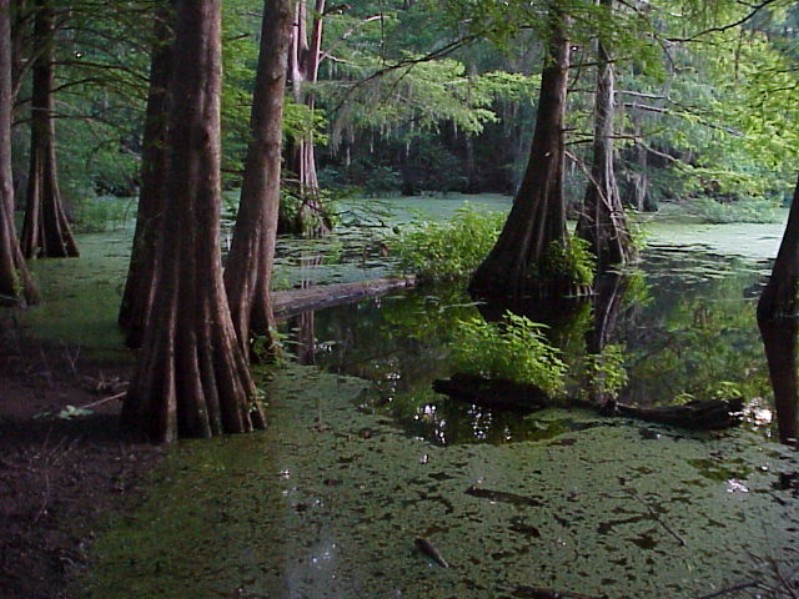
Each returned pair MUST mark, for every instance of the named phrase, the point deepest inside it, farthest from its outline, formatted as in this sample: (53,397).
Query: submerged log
(710,414)
(502,394)
(296,301)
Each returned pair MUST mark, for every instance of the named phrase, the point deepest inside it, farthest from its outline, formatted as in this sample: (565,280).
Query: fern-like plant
(514,349)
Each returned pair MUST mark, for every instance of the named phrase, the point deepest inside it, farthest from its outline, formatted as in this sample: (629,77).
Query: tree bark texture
(16,284)
(192,379)
(311,220)
(137,298)
(538,216)
(248,275)
(777,313)
(603,223)
(45,232)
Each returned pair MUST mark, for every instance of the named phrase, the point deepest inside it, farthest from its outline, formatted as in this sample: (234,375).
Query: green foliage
(363,177)
(300,122)
(426,94)
(515,349)
(708,210)
(724,390)
(604,374)
(99,214)
(436,251)
(573,259)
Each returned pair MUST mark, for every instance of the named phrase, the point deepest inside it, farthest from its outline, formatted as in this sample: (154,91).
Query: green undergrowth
(448,250)
(514,349)
(517,349)
(572,260)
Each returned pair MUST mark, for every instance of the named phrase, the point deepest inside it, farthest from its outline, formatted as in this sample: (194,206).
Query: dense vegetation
(581,108)
(415,97)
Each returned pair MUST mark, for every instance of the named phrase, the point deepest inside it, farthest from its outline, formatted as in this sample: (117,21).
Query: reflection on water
(328,503)
(688,326)
(329,500)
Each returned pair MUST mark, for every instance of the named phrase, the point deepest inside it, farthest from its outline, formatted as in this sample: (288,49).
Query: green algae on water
(316,507)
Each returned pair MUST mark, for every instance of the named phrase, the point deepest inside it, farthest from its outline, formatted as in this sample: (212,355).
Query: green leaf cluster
(513,349)
(441,251)
(571,259)
(604,374)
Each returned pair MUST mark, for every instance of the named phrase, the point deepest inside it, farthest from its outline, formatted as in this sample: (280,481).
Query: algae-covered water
(329,500)
(361,457)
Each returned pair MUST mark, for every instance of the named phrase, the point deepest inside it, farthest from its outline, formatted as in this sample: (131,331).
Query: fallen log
(292,302)
(709,414)
(502,394)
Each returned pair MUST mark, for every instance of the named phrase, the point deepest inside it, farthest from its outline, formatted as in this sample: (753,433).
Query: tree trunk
(635,175)
(311,218)
(139,286)
(516,266)
(603,223)
(19,19)
(16,285)
(248,275)
(777,313)
(45,231)
(192,379)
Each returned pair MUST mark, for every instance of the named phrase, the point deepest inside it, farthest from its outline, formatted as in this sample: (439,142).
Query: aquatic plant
(572,260)
(604,374)
(513,349)
(451,250)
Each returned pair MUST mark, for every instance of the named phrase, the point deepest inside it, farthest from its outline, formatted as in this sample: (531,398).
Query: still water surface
(362,458)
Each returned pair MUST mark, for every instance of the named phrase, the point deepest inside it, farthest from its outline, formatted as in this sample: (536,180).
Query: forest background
(411,99)
(394,110)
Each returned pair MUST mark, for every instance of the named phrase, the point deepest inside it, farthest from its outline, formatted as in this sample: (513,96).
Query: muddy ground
(59,475)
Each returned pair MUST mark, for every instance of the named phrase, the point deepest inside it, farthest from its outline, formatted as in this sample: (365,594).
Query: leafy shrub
(751,210)
(573,260)
(98,214)
(442,251)
(514,349)
(604,374)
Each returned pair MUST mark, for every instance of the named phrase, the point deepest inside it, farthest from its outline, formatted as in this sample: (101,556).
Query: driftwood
(296,301)
(503,394)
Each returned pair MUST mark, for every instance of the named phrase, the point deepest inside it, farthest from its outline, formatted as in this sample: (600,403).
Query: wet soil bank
(59,474)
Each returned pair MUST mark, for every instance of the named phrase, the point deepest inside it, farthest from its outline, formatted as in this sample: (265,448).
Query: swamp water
(361,458)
